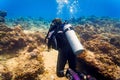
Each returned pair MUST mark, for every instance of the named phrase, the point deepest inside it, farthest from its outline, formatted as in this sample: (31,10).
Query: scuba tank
(72,39)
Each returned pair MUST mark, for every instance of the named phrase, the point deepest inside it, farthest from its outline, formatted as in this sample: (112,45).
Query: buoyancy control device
(72,39)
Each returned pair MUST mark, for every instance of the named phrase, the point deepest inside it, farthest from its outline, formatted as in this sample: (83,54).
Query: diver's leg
(72,61)
(61,61)
(49,44)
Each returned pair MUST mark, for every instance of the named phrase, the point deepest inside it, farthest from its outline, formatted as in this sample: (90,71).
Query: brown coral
(11,39)
(103,62)
(27,64)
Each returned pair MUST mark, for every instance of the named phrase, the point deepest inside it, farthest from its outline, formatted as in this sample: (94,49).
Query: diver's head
(57,22)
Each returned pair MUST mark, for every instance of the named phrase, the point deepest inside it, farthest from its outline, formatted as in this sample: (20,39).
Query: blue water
(61,8)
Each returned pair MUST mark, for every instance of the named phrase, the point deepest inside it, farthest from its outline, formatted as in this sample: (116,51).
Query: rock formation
(20,54)
(2,16)
(101,58)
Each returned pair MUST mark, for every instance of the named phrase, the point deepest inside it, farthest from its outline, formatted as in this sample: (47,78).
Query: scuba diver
(61,37)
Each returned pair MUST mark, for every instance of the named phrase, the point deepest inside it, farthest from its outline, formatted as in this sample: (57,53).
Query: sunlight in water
(71,9)
(66,1)
(71,6)
(61,4)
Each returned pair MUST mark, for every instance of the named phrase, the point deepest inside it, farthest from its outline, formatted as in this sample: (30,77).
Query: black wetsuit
(65,53)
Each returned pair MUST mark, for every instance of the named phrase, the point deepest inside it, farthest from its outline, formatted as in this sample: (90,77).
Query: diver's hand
(45,41)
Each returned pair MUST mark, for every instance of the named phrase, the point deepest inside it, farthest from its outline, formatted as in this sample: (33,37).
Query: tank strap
(70,28)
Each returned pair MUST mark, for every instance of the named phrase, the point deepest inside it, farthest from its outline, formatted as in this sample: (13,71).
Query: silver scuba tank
(72,39)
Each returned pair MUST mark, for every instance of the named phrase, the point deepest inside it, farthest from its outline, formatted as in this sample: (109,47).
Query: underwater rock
(31,47)
(15,39)
(97,45)
(3,13)
(2,19)
(101,58)
(99,65)
(25,61)
(87,32)
(2,16)
(26,65)
(22,68)
(11,39)
(4,28)
(115,41)
(99,21)
(29,23)
(4,73)
(33,54)
(37,36)
(117,25)
(100,36)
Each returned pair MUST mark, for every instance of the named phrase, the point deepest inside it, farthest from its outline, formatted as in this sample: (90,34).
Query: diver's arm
(50,29)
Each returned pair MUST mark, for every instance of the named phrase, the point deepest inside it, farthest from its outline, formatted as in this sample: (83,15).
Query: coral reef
(29,23)
(11,39)
(3,13)
(23,67)
(101,37)
(115,40)
(21,44)
(20,53)
(2,16)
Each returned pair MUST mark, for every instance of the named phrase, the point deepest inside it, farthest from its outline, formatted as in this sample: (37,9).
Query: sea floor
(23,55)
(50,61)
